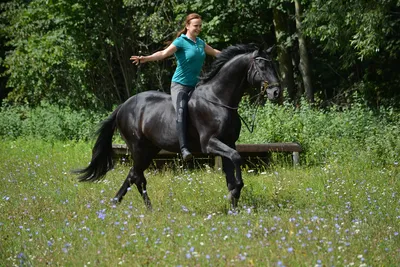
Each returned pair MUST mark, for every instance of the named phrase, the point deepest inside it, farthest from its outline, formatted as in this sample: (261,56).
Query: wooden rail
(247,151)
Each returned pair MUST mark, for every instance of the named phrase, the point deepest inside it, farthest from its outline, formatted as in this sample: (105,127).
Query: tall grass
(337,213)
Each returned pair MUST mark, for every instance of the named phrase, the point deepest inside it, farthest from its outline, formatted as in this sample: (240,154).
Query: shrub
(48,122)
(351,132)
(325,135)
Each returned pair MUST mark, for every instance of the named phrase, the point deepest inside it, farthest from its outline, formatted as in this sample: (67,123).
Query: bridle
(264,87)
(250,75)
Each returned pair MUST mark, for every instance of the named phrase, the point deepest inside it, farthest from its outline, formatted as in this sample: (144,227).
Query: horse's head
(262,73)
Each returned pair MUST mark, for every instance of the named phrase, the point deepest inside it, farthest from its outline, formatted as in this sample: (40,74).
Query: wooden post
(296,158)
(217,162)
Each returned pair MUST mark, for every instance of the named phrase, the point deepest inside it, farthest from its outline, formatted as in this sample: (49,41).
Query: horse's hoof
(115,201)
(186,155)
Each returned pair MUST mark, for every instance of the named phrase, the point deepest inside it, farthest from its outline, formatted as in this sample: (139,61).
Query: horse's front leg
(229,170)
(231,165)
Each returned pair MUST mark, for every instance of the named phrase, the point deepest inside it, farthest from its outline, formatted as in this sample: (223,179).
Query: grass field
(336,214)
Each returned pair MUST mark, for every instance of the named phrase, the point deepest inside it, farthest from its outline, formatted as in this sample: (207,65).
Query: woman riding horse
(146,121)
(189,52)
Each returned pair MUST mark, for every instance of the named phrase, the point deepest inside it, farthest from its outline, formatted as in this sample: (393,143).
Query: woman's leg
(180,98)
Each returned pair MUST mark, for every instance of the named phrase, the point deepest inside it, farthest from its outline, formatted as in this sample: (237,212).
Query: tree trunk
(304,65)
(284,58)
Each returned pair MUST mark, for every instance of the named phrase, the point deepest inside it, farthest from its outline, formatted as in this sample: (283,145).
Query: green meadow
(337,213)
(339,207)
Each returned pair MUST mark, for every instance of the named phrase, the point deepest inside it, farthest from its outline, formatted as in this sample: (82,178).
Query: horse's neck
(229,84)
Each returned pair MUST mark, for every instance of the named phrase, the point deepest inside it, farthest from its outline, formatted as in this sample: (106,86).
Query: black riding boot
(181,124)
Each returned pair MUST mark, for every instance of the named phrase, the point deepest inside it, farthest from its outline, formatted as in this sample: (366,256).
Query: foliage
(48,122)
(364,36)
(323,134)
(76,53)
(67,52)
(336,214)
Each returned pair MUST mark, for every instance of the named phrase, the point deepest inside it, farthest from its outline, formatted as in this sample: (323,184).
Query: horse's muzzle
(273,90)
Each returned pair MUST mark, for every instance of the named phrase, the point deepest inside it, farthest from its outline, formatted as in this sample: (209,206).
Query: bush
(48,122)
(325,135)
(352,132)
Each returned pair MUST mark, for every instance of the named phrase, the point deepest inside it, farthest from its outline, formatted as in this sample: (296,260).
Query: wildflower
(184,209)
(101,214)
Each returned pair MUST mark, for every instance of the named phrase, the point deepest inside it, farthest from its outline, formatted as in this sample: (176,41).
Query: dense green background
(76,53)
(66,66)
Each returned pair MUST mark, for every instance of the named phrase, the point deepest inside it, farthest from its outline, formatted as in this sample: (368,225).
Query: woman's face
(194,27)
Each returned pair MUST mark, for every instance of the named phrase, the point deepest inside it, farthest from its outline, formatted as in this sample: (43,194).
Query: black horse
(146,121)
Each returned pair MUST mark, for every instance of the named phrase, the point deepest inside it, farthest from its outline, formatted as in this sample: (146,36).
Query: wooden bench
(248,152)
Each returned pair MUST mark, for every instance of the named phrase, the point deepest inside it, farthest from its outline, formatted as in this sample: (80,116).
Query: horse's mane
(226,55)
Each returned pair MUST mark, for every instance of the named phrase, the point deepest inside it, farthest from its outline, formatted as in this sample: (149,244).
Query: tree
(72,53)
(364,36)
(284,42)
(304,65)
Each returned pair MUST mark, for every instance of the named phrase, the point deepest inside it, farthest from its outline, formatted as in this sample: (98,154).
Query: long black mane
(226,55)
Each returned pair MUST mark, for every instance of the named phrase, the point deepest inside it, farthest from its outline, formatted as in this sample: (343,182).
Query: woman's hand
(137,59)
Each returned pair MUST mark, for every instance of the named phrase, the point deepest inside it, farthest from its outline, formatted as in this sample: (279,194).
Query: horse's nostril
(276,93)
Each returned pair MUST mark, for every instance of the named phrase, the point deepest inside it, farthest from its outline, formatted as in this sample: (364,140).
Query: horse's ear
(271,49)
(256,53)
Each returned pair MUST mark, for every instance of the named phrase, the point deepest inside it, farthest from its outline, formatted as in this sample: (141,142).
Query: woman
(189,52)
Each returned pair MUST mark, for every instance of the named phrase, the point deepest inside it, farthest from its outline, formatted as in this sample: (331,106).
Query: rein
(251,72)
(253,119)
(220,104)
(264,87)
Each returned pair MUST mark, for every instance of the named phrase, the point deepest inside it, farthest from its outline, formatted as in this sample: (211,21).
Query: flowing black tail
(102,153)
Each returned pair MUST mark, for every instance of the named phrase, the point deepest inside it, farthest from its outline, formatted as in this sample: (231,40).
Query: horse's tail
(102,153)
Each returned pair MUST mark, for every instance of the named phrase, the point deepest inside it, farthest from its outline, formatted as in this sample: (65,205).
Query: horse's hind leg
(141,183)
(124,188)
(135,176)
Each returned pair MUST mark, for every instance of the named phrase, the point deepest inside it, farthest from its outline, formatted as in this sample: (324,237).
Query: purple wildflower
(101,214)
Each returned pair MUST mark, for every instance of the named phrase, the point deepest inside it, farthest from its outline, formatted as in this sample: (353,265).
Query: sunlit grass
(340,214)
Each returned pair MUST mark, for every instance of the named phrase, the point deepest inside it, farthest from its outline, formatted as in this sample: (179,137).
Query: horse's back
(148,116)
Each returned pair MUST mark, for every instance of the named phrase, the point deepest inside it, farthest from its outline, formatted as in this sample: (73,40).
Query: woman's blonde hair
(187,21)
